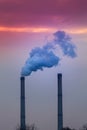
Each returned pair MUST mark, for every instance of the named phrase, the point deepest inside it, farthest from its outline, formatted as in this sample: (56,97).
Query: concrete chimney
(60,104)
(22,104)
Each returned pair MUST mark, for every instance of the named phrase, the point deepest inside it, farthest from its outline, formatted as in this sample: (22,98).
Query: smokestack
(22,104)
(60,105)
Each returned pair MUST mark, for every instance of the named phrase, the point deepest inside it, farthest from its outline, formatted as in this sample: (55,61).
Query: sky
(25,25)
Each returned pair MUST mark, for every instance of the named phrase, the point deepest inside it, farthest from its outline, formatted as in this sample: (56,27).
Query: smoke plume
(39,58)
(64,41)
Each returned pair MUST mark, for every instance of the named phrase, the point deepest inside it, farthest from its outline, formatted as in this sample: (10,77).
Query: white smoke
(64,41)
(40,58)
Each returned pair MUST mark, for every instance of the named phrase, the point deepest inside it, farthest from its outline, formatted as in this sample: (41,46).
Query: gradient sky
(31,23)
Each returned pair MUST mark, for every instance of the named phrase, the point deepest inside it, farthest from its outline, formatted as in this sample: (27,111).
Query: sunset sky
(28,24)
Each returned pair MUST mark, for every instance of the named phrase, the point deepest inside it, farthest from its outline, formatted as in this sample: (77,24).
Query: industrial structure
(60,104)
(22,104)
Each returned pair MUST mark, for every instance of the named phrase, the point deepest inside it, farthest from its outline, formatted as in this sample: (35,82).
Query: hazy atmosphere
(25,25)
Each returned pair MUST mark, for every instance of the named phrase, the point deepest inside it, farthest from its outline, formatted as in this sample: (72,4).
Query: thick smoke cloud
(40,58)
(64,41)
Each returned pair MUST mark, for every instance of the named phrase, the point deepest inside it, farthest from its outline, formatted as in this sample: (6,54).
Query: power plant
(59,104)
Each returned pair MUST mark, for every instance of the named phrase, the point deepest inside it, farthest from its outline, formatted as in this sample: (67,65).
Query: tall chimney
(60,105)
(22,104)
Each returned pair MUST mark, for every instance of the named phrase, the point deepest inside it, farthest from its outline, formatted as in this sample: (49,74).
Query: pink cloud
(43,13)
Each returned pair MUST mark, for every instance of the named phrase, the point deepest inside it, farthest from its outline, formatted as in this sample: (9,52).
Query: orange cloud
(34,30)
(42,30)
